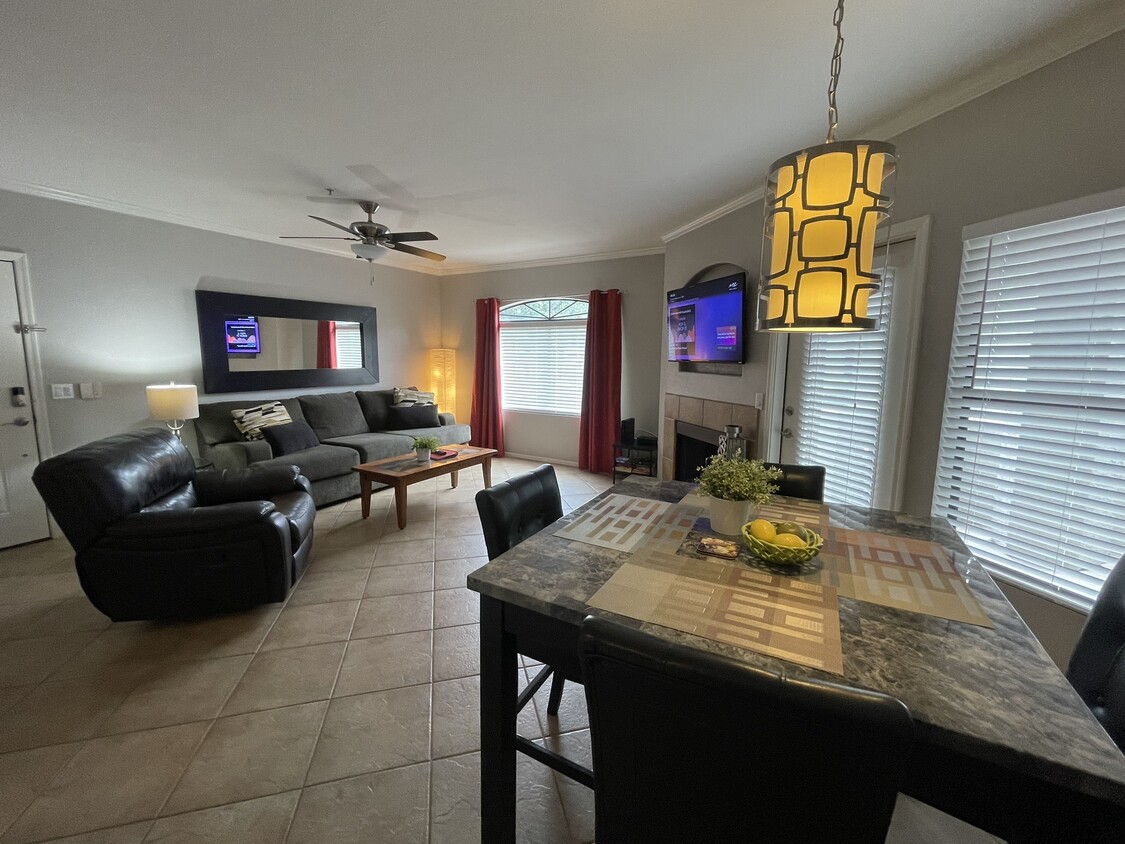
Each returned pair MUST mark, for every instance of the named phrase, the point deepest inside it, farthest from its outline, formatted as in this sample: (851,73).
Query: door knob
(20,422)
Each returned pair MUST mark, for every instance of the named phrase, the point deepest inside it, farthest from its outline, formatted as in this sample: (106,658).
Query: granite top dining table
(1002,740)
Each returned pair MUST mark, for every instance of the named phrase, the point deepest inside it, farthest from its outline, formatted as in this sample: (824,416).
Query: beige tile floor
(349,713)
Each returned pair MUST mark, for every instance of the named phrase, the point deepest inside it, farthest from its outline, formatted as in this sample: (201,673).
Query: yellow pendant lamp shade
(824,211)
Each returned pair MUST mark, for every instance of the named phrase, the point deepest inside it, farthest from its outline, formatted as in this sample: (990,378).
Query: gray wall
(117,294)
(638,279)
(1053,135)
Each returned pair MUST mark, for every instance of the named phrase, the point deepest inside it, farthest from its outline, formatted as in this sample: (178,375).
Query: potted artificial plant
(424,445)
(734,485)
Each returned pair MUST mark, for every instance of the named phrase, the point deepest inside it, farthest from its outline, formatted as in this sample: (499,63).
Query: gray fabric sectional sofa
(350,428)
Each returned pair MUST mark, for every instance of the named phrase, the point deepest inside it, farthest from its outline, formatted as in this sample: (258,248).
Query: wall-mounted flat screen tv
(706,321)
(243,336)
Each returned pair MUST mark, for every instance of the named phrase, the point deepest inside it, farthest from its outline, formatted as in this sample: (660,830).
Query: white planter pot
(423,454)
(728,517)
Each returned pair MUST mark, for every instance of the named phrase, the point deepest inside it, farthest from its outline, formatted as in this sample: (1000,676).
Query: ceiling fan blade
(414,250)
(347,229)
(401,236)
(314,237)
(335,200)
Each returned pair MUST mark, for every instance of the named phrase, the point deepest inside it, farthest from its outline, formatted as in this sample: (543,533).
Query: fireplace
(694,444)
(700,421)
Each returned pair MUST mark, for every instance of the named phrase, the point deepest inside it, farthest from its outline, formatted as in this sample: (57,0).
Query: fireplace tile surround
(708,413)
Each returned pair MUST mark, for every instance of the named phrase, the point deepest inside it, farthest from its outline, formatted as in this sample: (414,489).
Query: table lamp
(173,404)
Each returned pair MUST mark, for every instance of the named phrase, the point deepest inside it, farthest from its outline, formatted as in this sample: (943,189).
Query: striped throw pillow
(251,420)
(408,397)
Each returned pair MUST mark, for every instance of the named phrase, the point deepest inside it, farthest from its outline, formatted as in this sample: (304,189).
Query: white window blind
(542,356)
(841,404)
(1031,469)
(349,346)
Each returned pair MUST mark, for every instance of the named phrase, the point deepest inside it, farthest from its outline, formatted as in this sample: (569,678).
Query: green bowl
(780,554)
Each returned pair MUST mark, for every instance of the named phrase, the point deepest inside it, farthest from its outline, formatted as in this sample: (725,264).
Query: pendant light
(826,207)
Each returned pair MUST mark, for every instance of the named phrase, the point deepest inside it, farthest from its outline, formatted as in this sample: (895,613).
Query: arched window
(542,355)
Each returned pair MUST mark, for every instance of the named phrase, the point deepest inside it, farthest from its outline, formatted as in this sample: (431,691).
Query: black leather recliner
(154,539)
(1097,667)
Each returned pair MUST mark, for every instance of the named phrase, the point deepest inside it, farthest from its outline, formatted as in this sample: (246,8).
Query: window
(1031,469)
(840,403)
(349,345)
(542,355)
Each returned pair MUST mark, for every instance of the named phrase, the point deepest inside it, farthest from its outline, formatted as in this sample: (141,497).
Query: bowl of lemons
(782,543)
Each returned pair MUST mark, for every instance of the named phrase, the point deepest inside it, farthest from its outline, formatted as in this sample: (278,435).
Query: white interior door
(848,395)
(23,516)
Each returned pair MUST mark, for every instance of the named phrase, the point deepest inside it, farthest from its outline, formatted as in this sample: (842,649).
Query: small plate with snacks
(718,547)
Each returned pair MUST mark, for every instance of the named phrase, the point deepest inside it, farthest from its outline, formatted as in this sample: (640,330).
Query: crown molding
(165,216)
(545,262)
(1071,37)
(159,214)
(756,195)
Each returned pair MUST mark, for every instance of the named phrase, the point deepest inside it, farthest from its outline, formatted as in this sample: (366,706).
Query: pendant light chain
(837,60)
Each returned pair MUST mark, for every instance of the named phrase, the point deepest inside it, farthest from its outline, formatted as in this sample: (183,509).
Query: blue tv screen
(706,321)
(243,337)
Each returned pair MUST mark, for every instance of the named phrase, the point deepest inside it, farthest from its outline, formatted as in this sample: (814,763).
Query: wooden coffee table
(404,470)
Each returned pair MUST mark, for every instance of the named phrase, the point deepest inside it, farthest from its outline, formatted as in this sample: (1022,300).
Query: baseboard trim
(552,460)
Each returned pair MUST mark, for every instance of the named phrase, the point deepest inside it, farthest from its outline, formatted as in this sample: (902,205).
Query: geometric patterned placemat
(768,613)
(810,514)
(621,522)
(896,571)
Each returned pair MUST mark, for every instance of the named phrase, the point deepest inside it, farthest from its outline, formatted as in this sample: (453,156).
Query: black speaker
(628,429)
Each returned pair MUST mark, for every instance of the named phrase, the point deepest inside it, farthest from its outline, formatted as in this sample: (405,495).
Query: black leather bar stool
(691,746)
(1097,667)
(800,481)
(510,512)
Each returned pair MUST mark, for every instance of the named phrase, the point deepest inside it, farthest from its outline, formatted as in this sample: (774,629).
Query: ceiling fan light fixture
(369,251)
(826,207)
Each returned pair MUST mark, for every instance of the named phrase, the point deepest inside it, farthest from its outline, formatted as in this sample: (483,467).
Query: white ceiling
(517,130)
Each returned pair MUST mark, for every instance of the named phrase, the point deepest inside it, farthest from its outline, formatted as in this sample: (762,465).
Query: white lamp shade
(443,378)
(172,401)
(370,251)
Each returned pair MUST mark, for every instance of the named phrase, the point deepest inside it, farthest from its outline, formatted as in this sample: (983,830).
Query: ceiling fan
(372,240)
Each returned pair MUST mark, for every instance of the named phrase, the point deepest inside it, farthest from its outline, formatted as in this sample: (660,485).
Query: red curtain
(487,417)
(325,344)
(601,383)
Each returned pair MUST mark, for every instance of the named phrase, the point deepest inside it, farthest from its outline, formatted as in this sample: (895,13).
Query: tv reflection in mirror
(242,336)
(262,343)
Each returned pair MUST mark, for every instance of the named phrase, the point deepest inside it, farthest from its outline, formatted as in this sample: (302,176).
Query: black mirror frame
(211,309)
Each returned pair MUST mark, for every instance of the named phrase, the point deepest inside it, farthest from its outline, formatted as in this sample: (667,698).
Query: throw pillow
(291,438)
(400,418)
(374,404)
(410,397)
(333,414)
(251,420)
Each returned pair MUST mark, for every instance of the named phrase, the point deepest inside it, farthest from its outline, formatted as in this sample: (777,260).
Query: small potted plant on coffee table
(734,485)
(424,445)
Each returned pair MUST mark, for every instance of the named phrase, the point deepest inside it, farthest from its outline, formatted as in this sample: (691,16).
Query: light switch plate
(86,390)
(62,391)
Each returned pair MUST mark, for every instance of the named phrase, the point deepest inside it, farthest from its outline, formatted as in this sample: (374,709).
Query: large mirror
(263,343)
